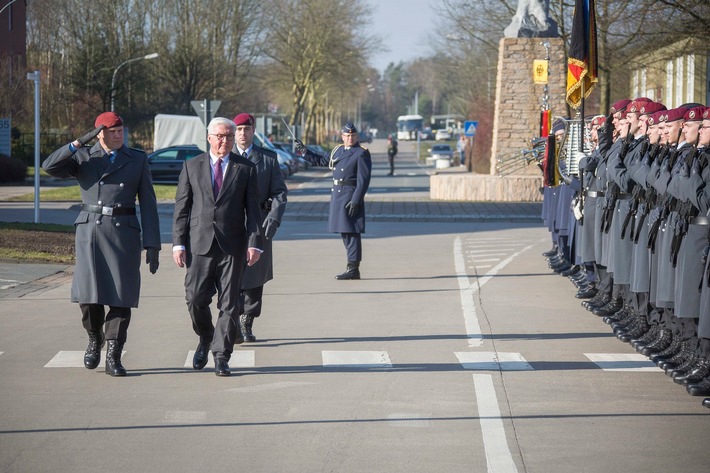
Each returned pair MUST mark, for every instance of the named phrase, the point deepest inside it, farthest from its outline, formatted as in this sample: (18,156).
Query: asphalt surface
(458,351)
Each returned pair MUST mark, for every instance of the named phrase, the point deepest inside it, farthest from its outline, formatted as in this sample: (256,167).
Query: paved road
(459,351)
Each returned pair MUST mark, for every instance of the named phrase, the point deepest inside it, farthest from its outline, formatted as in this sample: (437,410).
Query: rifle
(613,190)
(686,211)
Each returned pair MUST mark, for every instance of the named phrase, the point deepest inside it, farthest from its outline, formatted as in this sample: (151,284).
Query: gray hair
(215,122)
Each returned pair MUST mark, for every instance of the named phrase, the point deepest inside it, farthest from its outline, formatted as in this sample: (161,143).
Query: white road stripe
(470,318)
(622,362)
(495,444)
(69,359)
(356,359)
(493,361)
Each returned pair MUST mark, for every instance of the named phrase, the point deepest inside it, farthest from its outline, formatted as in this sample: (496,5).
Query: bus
(408,126)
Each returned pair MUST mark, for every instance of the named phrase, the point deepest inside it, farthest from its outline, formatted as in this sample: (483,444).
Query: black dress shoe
(350,273)
(586,292)
(201,355)
(551,252)
(700,389)
(572,270)
(221,367)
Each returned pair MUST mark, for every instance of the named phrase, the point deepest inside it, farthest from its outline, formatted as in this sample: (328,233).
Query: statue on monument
(532,20)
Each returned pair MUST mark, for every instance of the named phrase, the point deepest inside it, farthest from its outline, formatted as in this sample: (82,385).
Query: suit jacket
(272,196)
(232,219)
(108,248)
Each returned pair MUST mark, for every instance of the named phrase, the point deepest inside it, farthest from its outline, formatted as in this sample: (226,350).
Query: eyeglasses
(223,137)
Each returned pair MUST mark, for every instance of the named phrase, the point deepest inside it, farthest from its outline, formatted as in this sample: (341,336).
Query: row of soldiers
(632,230)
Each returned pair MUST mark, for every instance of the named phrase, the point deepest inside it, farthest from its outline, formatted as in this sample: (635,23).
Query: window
(690,89)
(168,155)
(669,84)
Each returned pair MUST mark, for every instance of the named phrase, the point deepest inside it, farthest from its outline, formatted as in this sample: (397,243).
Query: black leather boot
(699,371)
(612,307)
(92,357)
(245,324)
(673,355)
(351,272)
(646,338)
(600,300)
(662,341)
(113,359)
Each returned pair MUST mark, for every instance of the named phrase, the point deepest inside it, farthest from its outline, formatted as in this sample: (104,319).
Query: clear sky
(404,26)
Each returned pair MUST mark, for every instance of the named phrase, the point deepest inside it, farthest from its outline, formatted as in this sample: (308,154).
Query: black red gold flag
(582,60)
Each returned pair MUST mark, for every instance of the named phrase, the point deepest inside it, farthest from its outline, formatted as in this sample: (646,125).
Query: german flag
(582,61)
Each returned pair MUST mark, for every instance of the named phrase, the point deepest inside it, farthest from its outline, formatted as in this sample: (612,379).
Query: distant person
(351,165)
(215,230)
(461,148)
(272,200)
(391,153)
(108,235)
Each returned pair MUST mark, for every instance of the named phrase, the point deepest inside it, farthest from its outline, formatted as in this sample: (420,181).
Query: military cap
(558,125)
(651,107)
(598,120)
(109,120)
(706,114)
(694,114)
(674,114)
(348,128)
(619,106)
(244,119)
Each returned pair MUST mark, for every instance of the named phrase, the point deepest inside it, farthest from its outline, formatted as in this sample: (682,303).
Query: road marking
(470,318)
(622,362)
(68,359)
(239,359)
(356,359)
(495,444)
(493,361)
(486,260)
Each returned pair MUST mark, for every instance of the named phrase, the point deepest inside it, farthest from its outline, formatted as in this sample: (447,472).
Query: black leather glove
(270,227)
(300,147)
(352,208)
(90,135)
(151,258)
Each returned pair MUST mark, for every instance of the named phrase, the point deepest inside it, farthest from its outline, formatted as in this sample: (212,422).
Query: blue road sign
(469,128)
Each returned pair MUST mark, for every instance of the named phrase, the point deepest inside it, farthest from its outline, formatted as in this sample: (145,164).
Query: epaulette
(363,147)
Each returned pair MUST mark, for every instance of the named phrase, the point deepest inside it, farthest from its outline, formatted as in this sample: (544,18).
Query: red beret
(642,99)
(109,120)
(619,106)
(598,120)
(244,119)
(675,114)
(706,114)
(695,114)
(651,107)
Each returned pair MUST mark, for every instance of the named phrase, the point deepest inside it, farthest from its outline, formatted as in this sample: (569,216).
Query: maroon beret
(619,106)
(675,114)
(598,120)
(109,120)
(651,107)
(706,114)
(695,114)
(244,119)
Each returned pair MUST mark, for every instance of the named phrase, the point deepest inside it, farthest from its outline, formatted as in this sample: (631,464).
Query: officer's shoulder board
(137,150)
(268,152)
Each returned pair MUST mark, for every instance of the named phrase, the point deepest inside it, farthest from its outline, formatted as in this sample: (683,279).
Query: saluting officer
(108,235)
(351,165)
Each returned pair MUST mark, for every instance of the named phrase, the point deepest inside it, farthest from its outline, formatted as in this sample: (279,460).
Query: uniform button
(98,222)
(120,185)
(101,183)
(100,203)
(118,224)
(118,205)
(214,221)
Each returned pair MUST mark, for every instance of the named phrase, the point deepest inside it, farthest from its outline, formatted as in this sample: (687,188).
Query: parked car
(166,164)
(442,135)
(282,156)
(441,151)
(426,134)
(302,163)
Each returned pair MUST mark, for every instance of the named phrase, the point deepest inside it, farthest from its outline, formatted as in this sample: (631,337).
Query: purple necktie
(217,177)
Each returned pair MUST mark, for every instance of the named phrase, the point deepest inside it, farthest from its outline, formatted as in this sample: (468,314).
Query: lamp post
(113,79)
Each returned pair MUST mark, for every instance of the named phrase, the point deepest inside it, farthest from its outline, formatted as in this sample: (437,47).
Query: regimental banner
(540,71)
(582,73)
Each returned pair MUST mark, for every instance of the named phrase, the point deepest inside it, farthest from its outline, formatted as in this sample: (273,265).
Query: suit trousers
(215,273)
(353,246)
(251,301)
(93,318)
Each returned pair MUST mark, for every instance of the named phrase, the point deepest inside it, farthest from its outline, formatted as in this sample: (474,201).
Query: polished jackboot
(352,271)
(662,341)
(696,373)
(646,338)
(92,357)
(672,355)
(245,324)
(113,359)
(613,306)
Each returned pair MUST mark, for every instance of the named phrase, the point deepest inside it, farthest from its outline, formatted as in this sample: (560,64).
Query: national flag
(582,60)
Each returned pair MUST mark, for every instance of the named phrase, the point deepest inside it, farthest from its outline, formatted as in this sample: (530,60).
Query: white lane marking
(269,387)
(69,359)
(495,444)
(486,260)
(495,248)
(239,359)
(468,289)
(622,362)
(357,359)
(185,417)
(493,361)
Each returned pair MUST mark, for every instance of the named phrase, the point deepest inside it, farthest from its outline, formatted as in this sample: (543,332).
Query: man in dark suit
(108,235)
(351,165)
(215,230)
(272,201)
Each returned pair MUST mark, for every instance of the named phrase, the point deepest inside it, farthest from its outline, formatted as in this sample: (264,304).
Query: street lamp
(113,79)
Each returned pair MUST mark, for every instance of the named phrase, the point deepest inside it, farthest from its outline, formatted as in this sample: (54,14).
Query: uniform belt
(594,194)
(345,182)
(700,220)
(110,211)
(625,196)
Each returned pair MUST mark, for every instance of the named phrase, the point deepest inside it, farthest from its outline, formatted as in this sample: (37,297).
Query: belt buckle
(107,211)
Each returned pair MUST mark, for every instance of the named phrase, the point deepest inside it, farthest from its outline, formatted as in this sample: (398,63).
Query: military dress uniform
(352,168)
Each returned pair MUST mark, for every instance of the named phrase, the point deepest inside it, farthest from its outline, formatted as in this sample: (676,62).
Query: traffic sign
(469,128)
(5,136)
(205,109)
